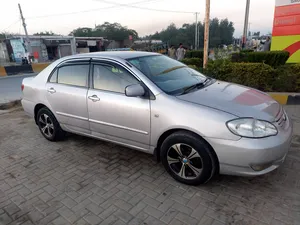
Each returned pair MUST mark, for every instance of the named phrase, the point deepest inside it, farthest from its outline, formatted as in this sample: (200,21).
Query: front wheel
(49,126)
(188,158)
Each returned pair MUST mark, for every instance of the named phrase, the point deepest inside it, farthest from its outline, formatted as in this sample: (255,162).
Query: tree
(111,31)
(221,32)
(82,32)
(45,33)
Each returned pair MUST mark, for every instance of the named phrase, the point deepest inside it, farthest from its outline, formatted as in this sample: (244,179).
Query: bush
(287,78)
(255,75)
(272,58)
(246,50)
(198,62)
(194,54)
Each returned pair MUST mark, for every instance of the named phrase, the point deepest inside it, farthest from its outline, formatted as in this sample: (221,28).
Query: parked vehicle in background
(195,125)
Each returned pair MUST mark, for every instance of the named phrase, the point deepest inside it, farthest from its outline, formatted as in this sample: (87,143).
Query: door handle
(51,90)
(94,98)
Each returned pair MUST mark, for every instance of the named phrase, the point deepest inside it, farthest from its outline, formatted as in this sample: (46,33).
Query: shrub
(198,62)
(246,50)
(255,75)
(287,78)
(272,58)
(194,54)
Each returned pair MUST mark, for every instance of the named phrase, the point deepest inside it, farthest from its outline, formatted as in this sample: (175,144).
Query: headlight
(251,128)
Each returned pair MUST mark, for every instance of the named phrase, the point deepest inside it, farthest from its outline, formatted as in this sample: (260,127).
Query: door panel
(70,105)
(67,92)
(120,116)
(112,114)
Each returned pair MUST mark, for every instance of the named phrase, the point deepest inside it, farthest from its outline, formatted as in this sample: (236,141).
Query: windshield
(172,76)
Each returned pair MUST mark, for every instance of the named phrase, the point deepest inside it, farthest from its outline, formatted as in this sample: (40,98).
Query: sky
(62,16)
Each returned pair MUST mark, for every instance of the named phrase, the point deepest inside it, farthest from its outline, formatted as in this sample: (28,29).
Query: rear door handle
(51,90)
(94,98)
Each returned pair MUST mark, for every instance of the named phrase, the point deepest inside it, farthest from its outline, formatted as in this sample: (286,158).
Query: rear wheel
(188,158)
(49,126)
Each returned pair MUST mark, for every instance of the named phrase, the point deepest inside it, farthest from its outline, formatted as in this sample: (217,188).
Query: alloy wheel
(46,125)
(184,161)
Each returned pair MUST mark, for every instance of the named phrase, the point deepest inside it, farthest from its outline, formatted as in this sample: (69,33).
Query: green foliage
(247,50)
(198,62)
(111,31)
(45,33)
(194,54)
(221,32)
(256,75)
(261,76)
(272,58)
(287,78)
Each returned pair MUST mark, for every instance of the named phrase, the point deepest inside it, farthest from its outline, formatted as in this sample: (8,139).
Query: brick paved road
(85,181)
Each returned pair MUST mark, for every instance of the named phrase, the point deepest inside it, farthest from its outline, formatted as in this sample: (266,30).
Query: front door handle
(94,98)
(51,90)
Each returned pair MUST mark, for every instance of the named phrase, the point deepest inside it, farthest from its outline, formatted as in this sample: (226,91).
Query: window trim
(72,63)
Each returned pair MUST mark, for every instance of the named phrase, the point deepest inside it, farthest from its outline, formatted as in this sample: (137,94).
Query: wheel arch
(37,108)
(174,130)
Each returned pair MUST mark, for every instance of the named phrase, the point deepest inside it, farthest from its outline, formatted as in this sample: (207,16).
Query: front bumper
(252,157)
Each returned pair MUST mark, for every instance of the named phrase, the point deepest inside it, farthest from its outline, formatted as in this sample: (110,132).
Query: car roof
(116,54)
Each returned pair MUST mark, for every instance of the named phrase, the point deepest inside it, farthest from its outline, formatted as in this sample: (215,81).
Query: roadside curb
(286,98)
(15,70)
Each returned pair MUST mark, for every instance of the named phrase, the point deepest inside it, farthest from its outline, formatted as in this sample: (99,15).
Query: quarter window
(76,75)
(112,78)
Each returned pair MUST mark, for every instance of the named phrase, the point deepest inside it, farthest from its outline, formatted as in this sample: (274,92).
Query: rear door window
(76,75)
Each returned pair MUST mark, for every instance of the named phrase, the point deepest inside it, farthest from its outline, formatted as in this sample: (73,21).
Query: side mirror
(135,90)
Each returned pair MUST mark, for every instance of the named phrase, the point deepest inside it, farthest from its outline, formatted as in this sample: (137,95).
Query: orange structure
(286,28)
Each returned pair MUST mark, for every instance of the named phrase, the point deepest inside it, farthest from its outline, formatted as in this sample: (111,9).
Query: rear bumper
(28,107)
(252,157)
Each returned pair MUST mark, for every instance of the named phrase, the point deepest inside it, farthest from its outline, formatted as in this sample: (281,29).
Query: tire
(188,168)
(53,131)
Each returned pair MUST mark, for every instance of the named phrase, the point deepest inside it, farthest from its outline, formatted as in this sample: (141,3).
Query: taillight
(22,87)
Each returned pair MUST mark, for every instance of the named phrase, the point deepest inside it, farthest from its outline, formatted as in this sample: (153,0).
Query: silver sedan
(197,126)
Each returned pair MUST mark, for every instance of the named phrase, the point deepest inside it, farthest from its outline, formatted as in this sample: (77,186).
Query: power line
(143,8)
(88,10)
(11,25)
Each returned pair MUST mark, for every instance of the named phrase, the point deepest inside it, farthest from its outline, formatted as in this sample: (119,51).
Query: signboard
(286,28)
(18,49)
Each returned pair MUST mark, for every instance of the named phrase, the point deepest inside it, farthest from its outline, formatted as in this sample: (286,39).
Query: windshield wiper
(195,86)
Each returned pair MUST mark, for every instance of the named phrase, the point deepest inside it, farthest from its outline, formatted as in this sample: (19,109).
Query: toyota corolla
(195,125)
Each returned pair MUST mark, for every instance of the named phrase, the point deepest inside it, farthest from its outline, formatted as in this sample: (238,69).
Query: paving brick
(67,214)
(186,219)
(123,215)
(182,208)
(69,202)
(107,212)
(110,220)
(11,209)
(92,207)
(45,196)
(49,218)
(60,221)
(5,219)
(169,215)
(45,183)
(152,220)
(165,205)
(152,202)
(137,208)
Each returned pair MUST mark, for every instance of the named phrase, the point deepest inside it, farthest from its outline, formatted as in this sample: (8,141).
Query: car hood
(235,99)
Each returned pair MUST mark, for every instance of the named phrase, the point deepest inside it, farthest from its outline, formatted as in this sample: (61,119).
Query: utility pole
(25,29)
(245,33)
(196,32)
(206,34)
